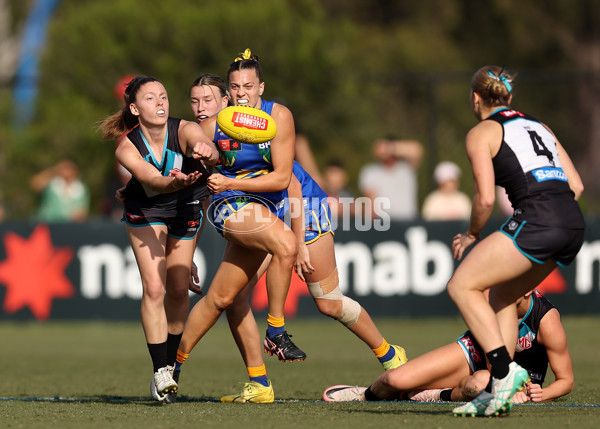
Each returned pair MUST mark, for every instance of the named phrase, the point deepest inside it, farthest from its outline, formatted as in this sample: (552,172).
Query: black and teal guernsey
(140,199)
(527,166)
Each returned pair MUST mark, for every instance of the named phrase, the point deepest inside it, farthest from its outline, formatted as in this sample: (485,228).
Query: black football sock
(499,360)
(370,396)
(158,353)
(172,346)
(446,395)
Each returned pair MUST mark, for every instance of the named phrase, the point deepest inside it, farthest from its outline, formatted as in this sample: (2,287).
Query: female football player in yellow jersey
(247,209)
(315,236)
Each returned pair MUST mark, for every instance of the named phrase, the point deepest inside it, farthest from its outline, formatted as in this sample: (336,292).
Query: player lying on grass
(459,371)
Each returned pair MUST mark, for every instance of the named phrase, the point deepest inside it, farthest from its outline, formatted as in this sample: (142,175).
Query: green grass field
(96,375)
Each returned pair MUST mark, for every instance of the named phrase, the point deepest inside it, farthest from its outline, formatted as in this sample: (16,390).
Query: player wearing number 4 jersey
(511,149)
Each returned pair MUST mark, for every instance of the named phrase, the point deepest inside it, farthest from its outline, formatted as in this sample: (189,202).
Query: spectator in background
(335,184)
(447,202)
(392,180)
(64,195)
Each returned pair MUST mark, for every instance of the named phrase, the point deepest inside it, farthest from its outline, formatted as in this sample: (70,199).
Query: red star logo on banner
(554,283)
(298,288)
(34,272)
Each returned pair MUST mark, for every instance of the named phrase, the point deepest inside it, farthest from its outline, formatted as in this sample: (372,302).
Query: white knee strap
(350,312)
(350,308)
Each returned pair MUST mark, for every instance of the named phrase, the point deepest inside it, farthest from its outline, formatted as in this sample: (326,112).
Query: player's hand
(520,398)
(202,151)
(460,243)
(218,183)
(534,391)
(195,285)
(302,264)
(120,195)
(181,180)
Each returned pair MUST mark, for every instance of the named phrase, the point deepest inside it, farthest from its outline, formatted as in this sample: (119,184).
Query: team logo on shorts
(512,225)
(193,224)
(468,343)
(133,217)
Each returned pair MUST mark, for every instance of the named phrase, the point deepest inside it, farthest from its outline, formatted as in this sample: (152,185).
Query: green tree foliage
(92,44)
(349,71)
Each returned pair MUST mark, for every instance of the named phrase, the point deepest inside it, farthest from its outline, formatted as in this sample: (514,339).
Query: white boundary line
(184,399)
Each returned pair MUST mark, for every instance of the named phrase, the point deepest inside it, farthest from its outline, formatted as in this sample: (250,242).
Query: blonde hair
(493,84)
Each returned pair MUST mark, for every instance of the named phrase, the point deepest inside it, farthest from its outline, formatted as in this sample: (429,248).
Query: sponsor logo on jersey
(468,343)
(511,113)
(549,173)
(525,341)
(229,145)
(252,122)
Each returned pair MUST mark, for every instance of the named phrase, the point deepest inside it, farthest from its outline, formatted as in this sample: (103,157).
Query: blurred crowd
(387,186)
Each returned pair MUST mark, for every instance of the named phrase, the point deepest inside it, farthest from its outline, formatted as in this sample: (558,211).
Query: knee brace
(328,288)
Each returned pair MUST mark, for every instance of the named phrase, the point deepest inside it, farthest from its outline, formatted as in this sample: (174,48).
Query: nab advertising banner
(88,271)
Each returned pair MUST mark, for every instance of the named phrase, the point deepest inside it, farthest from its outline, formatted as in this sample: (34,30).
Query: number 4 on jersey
(539,147)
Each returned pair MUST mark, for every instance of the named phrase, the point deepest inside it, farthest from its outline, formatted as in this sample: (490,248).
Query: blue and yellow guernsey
(317,214)
(245,161)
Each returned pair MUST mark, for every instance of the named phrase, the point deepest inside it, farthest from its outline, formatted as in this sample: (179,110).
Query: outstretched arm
(198,144)
(146,174)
